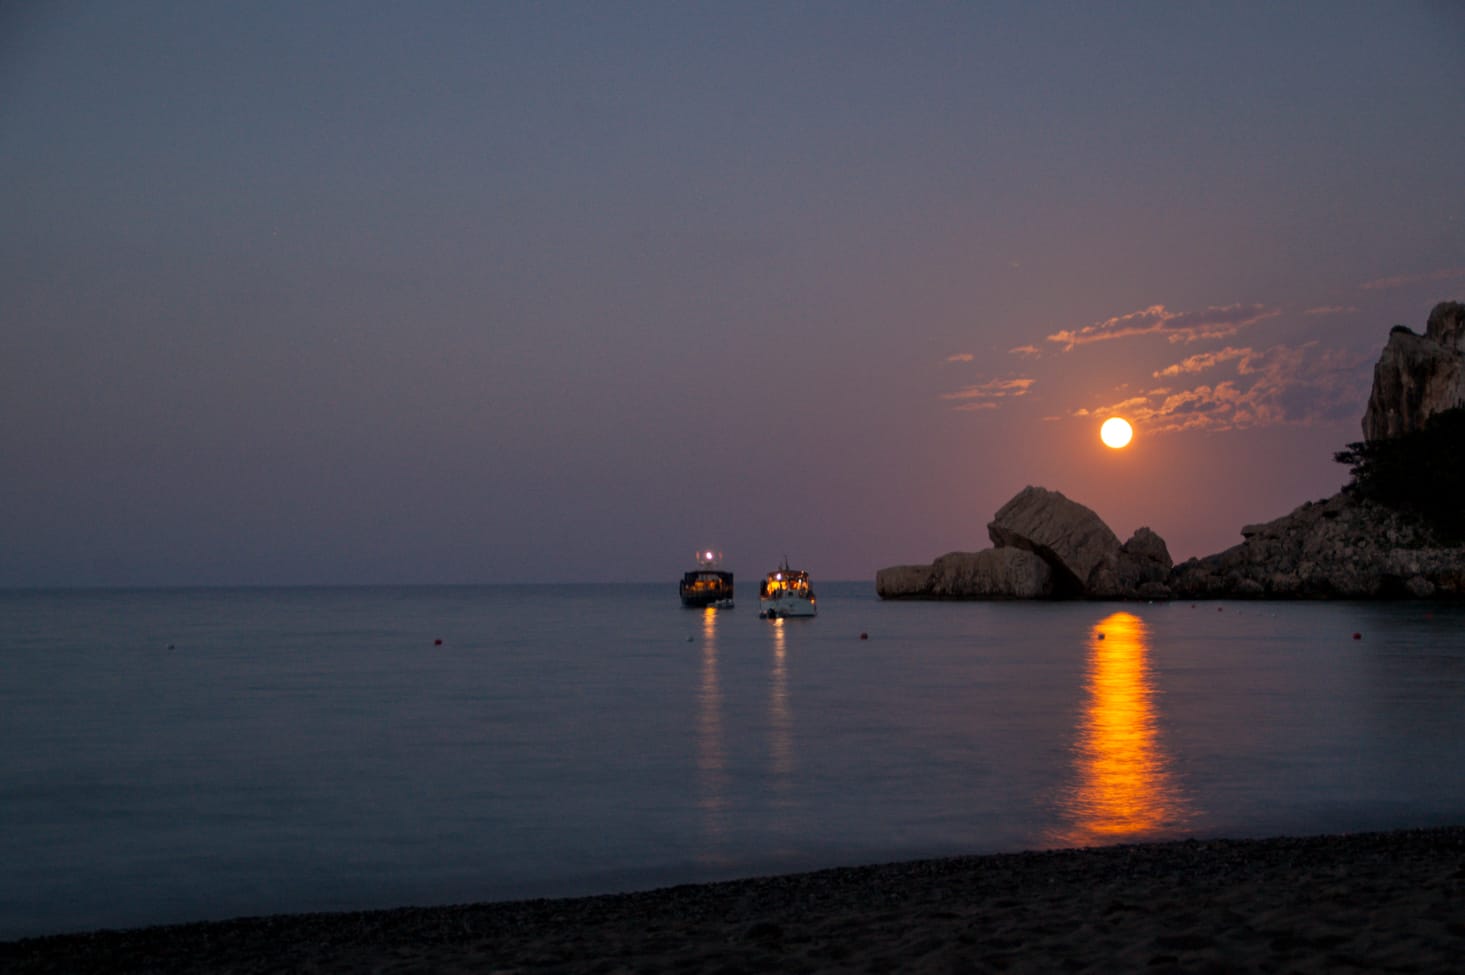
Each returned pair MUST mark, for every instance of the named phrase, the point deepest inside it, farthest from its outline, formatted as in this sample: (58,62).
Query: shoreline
(1365,901)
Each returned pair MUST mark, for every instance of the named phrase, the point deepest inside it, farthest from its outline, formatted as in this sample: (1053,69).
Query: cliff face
(1417,375)
(1346,546)
(1342,547)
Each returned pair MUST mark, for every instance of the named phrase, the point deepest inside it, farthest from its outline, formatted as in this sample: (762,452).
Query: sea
(174,755)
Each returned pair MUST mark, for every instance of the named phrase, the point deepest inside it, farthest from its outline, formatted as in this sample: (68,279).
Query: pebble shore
(1359,903)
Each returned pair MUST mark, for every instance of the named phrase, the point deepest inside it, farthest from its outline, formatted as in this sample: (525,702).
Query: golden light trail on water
(1124,786)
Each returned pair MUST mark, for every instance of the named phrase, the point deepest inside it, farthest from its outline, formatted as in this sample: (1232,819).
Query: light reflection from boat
(712,771)
(1125,788)
(780,793)
(780,715)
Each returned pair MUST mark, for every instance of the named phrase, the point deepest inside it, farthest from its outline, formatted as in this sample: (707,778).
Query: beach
(1364,902)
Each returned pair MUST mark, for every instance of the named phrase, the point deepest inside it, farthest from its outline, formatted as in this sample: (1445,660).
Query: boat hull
(787,606)
(706,588)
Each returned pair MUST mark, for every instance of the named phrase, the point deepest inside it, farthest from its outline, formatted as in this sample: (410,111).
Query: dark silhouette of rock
(904,582)
(1145,564)
(1005,573)
(1417,376)
(1341,547)
(1047,546)
(1346,546)
(1081,550)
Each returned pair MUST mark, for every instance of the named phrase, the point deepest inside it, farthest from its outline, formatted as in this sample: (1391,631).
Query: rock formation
(1145,564)
(1417,375)
(1069,537)
(1006,573)
(1347,546)
(1341,547)
(1046,546)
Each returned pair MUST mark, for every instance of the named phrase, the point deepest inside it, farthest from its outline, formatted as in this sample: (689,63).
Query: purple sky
(500,292)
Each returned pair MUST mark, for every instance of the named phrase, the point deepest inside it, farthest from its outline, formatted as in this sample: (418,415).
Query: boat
(786,592)
(708,584)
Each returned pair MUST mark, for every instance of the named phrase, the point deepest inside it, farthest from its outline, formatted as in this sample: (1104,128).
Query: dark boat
(707,585)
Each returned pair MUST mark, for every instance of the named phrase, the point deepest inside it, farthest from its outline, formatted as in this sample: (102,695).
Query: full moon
(1116,432)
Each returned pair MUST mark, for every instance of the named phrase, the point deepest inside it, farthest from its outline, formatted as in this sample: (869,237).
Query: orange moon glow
(1116,432)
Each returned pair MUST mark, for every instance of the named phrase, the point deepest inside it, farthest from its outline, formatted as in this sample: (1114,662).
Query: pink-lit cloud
(1204,361)
(1402,280)
(1026,351)
(959,357)
(1331,310)
(984,396)
(1210,323)
(1282,385)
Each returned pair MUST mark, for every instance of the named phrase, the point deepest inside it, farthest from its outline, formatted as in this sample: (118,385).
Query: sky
(299,293)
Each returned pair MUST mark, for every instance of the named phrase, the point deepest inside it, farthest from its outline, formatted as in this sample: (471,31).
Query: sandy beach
(1367,902)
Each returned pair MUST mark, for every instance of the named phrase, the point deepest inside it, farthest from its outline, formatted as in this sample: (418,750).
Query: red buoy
(1358,636)
(437,643)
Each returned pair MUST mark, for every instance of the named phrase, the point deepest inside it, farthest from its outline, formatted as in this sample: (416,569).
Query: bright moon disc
(1115,432)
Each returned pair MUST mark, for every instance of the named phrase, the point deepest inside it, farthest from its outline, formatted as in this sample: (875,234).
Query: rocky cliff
(1343,547)
(1347,546)
(1047,546)
(1417,376)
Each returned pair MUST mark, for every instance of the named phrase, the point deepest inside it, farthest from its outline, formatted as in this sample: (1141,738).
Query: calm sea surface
(177,755)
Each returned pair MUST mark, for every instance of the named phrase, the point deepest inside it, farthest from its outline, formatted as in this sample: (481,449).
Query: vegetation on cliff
(1420,473)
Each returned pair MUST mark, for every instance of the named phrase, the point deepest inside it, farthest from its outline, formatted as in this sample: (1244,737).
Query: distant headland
(1392,533)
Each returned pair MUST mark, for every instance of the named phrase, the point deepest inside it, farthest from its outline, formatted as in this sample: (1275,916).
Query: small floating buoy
(437,643)
(1101,636)
(1358,636)
(864,636)
(1219,608)
(170,646)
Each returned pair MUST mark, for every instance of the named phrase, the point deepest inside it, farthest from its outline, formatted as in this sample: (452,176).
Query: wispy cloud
(1402,280)
(1331,310)
(1205,361)
(959,357)
(1281,385)
(1176,326)
(1026,351)
(984,396)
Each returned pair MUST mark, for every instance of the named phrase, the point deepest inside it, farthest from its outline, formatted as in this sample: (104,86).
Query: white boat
(786,592)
